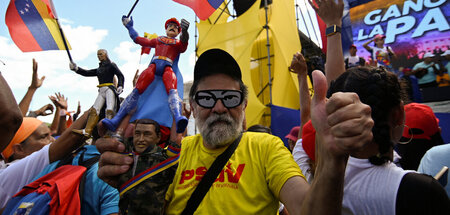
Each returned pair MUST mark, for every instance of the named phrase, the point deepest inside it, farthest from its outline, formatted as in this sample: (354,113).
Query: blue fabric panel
(40,204)
(444,123)
(282,121)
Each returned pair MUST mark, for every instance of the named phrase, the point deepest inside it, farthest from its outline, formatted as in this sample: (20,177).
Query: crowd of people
(362,147)
(431,70)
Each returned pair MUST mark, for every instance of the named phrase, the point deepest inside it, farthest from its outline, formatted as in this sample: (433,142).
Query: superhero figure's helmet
(172,20)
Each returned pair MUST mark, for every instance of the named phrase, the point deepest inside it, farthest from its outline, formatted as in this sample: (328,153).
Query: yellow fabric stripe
(170,154)
(147,176)
(51,23)
(105,85)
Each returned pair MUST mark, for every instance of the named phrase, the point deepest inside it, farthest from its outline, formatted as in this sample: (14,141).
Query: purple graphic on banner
(412,28)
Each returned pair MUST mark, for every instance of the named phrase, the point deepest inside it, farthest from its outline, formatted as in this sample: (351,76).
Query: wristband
(332,30)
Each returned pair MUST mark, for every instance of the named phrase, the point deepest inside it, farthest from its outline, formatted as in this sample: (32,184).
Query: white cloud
(84,40)
(54,65)
(186,65)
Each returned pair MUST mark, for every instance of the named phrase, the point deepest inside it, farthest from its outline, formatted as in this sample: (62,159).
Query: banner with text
(412,28)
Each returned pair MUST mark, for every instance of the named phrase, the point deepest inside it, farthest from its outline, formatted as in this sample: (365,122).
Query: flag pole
(64,40)
(132,8)
(60,30)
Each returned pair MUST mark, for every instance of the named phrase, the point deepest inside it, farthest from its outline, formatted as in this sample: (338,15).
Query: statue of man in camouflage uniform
(138,193)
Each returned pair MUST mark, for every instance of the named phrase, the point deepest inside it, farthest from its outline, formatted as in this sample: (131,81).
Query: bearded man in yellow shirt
(261,171)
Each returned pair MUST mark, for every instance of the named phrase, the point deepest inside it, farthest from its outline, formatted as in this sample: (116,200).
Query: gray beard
(218,130)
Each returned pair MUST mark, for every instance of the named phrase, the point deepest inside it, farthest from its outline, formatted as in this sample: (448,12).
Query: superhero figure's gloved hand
(127,21)
(184,25)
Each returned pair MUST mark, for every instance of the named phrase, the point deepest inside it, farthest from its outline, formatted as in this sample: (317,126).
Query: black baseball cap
(216,61)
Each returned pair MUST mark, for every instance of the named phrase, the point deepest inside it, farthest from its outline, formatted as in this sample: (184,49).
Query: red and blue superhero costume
(167,49)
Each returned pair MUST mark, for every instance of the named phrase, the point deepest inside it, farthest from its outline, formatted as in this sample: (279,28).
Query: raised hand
(184,25)
(329,11)
(43,110)
(298,64)
(35,81)
(127,21)
(343,124)
(59,100)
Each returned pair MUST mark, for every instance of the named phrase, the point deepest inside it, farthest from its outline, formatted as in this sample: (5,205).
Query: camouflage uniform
(148,196)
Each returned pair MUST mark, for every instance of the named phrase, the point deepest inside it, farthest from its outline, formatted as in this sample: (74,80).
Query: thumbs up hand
(343,124)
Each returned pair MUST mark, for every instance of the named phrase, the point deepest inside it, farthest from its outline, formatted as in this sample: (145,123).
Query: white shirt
(301,158)
(20,173)
(371,189)
(353,61)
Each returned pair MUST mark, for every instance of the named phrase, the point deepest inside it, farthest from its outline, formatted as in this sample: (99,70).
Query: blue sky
(90,25)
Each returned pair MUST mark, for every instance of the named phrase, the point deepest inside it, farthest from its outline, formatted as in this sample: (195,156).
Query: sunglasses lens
(205,100)
(231,99)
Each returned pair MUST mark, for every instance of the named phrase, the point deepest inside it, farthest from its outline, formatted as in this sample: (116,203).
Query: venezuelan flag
(33,26)
(202,8)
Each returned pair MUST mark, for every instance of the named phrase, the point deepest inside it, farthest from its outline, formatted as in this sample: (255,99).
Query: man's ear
(191,106)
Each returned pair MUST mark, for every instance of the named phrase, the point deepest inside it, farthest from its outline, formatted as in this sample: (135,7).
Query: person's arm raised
(61,105)
(298,66)
(366,45)
(36,82)
(62,102)
(331,13)
(43,111)
(343,125)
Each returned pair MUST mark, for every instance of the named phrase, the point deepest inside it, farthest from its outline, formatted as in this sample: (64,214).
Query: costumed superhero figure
(167,49)
(107,92)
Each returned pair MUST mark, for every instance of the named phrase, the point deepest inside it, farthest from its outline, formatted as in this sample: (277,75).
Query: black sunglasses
(208,98)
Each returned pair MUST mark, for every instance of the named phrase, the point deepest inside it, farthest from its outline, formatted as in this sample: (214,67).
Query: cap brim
(291,137)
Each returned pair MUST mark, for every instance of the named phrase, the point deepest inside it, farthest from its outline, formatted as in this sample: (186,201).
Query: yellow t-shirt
(250,183)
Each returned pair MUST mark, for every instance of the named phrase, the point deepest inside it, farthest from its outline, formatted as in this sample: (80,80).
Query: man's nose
(141,137)
(219,107)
